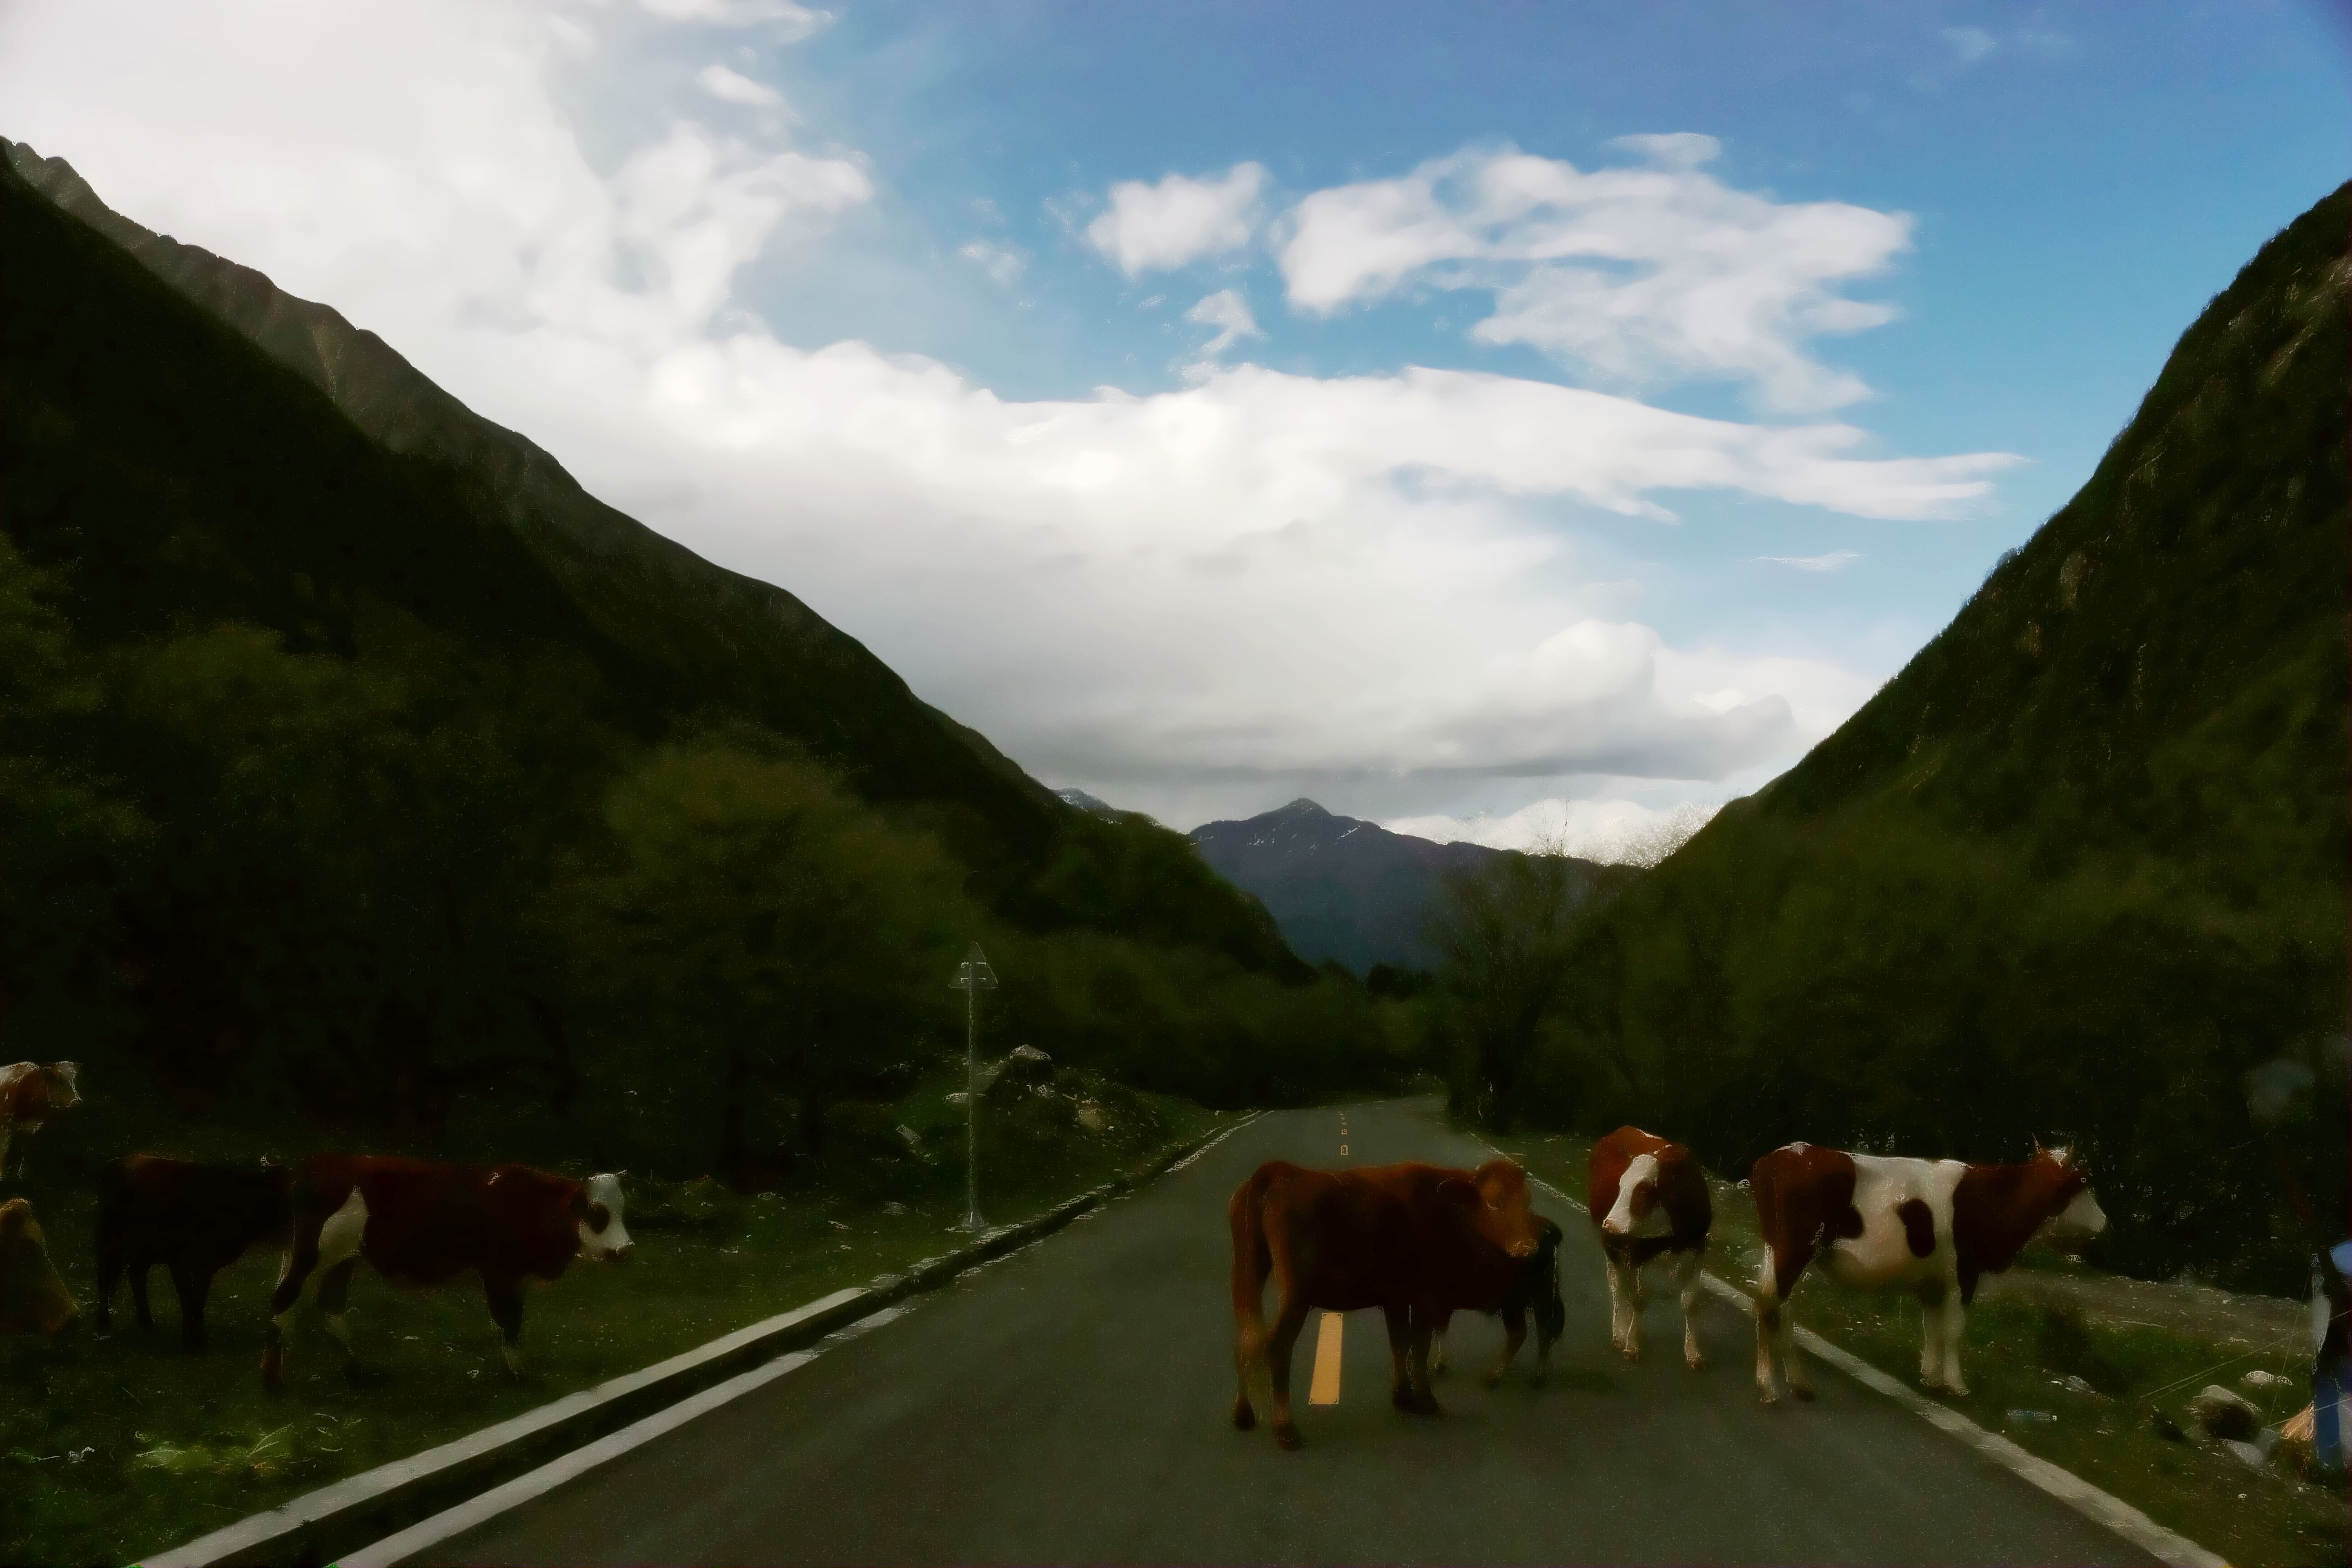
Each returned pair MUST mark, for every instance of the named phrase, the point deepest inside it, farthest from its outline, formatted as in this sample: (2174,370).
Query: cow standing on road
(193,1219)
(1934,1228)
(419,1222)
(1420,1242)
(30,1093)
(1649,1199)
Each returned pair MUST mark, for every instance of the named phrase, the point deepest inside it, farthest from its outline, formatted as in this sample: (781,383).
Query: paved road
(1069,1405)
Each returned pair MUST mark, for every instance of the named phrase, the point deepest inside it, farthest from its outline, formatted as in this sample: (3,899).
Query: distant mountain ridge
(1341,889)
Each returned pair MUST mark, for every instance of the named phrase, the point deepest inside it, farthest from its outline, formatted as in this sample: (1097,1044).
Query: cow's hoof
(1802,1392)
(1631,1352)
(1537,1379)
(1767,1396)
(1245,1418)
(1957,1390)
(1419,1404)
(1493,1380)
(1695,1363)
(1286,1436)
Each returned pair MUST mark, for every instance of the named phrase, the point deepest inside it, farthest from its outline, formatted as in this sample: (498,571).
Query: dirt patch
(2193,1311)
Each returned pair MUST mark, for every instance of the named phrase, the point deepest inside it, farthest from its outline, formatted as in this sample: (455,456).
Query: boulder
(2225,1415)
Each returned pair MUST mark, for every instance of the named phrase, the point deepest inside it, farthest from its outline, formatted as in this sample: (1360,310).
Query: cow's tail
(1253,1263)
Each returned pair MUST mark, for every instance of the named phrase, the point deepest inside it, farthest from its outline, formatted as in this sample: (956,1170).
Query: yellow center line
(1324,1389)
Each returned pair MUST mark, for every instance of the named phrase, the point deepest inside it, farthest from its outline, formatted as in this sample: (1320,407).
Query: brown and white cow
(33,1299)
(30,1093)
(1934,1228)
(1419,1242)
(193,1219)
(1649,1199)
(419,1222)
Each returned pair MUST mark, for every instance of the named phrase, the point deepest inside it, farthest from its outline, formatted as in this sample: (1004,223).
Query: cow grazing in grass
(192,1218)
(30,1093)
(1419,1242)
(1934,1228)
(33,1299)
(1649,1199)
(419,1222)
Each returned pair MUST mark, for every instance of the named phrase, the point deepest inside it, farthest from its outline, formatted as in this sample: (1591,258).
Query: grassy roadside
(111,1449)
(2017,1356)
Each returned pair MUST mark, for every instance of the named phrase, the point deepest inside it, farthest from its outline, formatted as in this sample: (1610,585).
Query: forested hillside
(2080,867)
(355,765)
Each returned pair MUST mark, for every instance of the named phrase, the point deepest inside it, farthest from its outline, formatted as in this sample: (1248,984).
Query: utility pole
(973,977)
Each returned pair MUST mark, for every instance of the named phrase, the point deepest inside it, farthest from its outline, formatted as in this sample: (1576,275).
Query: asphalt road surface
(1070,1403)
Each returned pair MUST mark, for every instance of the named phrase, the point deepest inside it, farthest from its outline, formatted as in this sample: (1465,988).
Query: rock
(2225,1415)
(1043,1091)
(2247,1454)
(913,1138)
(2258,1378)
(1091,1117)
(1029,1054)
(959,1097)
(2030,1419)
(2073,1384)
(2167,1427)
(893,1207)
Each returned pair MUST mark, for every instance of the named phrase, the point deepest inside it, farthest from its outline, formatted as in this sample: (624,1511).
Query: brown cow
(1649,1199)
(193,1219)
(1420,1242)
(33,1299)
(419,1222)
(30,1093)
(1934,1228)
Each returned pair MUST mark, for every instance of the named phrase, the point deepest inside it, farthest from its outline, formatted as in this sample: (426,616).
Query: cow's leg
(1956,1321)
(335,1308)
(110,1269)
(1515,1334)
(1687,1266)
(1422,1402)
(1620,1306)
(293,1274)
(1281,1340)
(505,1293)
(1931,1294)
(1437,1353)
(193,1282)
(1399,1327)
(1637,1297)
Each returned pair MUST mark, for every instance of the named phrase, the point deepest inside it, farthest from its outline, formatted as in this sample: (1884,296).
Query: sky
(1526,422)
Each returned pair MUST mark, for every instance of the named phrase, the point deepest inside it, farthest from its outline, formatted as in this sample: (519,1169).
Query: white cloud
(728,87)
(1614,832)
(786,22)
(1835,561)
(1969,46)
(1179,220)
(1002,263)
(1229,312)
(1635,276)
(1263,581)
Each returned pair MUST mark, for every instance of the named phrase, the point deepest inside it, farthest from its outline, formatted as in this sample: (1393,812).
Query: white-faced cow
(1649,1199)
(1934,1228)
(30,1093)
(419,1222)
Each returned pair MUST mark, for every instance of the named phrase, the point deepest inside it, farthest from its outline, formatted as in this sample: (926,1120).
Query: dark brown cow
(1649,1199)
(419,1222)
(193,1219)
(1419,1242)
(33,1299)
(1934,1228)
(30,1093)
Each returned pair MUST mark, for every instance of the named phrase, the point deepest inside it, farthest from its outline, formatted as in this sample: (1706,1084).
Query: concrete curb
(2168,1547)
(320,1526)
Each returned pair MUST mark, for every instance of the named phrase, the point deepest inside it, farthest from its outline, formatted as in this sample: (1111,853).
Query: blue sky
(833,297)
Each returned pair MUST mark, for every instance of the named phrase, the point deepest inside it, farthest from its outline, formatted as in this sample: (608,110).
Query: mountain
(675,634)
(2082,866)
(1093,805)
(1342,890)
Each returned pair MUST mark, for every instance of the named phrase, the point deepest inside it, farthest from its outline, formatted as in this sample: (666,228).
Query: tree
(1501,932)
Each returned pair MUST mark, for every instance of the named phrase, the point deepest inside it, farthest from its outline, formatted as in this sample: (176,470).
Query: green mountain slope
(321,720)
(2082,864)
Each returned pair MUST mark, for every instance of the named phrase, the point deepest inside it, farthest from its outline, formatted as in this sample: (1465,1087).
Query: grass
(2017,1356)
(115,1448)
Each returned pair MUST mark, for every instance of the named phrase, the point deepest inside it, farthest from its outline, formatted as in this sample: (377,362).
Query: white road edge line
(2167,1547)
(430,1533)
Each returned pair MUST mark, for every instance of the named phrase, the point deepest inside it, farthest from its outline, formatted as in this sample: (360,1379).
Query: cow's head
(602,1236)
(63,1079)
(2074,1208)
(1637,1197)
(1495,1202)
(33,1299)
